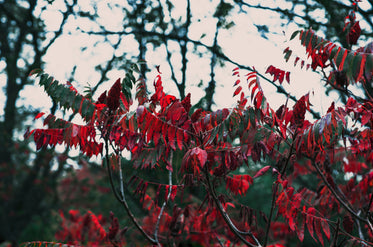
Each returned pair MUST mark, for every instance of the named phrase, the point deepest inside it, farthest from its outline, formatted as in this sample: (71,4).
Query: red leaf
(237,91)
(300,228)
(179,139)
(343,60)
(239,184)
(258,99)
(317,224)
(167,100)
(200,154)
(186,103)
(157,132)
(113,96)
(254,90)
(288,77)
(39,115)
(102,98)
(326,228)
(262,171)
(296,61)
(280,76)
(124,102)
(309,221)
(171,136)
(354,34)
(173,192)
(365,118)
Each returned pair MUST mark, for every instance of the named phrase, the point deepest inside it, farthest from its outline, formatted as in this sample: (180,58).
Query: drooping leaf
(311,212)
(262,171)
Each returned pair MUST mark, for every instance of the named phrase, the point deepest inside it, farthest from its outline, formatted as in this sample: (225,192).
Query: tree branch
(274,192)
(164,203)
(123,199)
(226,217)
(343,203)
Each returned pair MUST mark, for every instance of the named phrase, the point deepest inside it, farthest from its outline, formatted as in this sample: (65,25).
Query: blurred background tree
(27,181)
(184,35)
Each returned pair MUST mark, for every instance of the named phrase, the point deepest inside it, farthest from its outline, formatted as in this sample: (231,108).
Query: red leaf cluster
(211,150)
(88,228)
(299,111)
(319,59)
(186,103)
(194,160)
(354,34)
(239,184)
(278,74)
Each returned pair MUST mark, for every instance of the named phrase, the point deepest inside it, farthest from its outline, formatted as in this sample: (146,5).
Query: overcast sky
(242,43)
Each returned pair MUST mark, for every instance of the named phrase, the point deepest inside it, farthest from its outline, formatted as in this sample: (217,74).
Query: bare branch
(274,192)
(122,198)
(164,203)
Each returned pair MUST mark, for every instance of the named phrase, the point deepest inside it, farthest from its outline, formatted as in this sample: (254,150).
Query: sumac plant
(320,170)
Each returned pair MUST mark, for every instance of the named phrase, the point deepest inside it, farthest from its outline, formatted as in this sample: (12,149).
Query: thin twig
(370,204)
(123,200)
(164,203)
(343,203)
(121,176)
(334,242)
(359,230)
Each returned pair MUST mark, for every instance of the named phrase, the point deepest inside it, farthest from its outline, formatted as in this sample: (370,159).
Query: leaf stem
(164,203)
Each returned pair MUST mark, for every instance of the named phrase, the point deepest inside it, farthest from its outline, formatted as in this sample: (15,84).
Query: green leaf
(294,34)
(287,55)
(369,64)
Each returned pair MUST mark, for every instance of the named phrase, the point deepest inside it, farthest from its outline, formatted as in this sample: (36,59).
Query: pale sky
(242,43)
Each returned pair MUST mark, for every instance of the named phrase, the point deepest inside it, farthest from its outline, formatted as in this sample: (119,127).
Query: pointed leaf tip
(294,34)
(262,171)
(39,115)
(237,91)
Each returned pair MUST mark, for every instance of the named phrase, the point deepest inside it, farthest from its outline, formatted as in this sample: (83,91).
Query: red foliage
(354,34)
(88,229)
(321,169)
(299,111)
(278,74)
